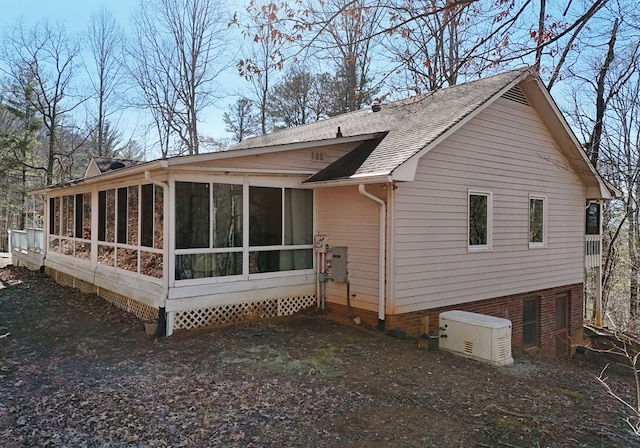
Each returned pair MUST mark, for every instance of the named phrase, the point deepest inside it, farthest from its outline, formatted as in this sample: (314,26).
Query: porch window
(537,221)
(280,220)
(107,216)
(479,229)
(208,218)
(70,225)
(151,216)
(210,228)
(130,229)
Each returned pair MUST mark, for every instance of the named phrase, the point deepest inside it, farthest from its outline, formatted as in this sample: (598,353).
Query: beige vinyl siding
(505,150)
(301,159)
(352,220)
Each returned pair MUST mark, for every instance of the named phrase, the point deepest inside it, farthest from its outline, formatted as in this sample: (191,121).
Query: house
(470,198)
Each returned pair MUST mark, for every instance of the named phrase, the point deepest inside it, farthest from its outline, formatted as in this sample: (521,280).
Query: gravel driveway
(77,372)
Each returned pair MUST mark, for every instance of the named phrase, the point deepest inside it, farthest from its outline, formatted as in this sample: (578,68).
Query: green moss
(510,422)
(575,395)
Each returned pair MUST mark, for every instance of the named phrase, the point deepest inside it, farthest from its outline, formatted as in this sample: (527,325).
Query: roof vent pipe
(375,106)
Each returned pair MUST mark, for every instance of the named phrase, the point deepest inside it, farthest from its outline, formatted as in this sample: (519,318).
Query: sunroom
(196,248)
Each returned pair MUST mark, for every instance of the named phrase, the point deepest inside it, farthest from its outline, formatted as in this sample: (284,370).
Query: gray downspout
(381,261)
(162,316)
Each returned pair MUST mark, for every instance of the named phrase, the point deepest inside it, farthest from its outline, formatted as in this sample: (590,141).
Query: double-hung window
(480,221)
(537,221)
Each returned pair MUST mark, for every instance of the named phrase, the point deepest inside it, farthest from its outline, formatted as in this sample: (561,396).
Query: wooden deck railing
(592,251)
(26,241)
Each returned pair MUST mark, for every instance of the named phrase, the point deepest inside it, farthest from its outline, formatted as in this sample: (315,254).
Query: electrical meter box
(339,264)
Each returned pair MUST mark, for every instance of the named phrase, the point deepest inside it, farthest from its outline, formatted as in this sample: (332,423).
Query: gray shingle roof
(410,124)
(109,163)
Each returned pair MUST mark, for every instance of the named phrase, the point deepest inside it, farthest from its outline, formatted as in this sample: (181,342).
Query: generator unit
(478,336)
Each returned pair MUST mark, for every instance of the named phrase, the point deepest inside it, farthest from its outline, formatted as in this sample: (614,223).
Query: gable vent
(515,94)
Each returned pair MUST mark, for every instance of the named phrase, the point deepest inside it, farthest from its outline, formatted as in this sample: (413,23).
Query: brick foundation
(508,307)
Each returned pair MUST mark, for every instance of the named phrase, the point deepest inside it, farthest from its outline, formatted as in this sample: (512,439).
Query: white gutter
(374,178)
(165,244)
(381,261)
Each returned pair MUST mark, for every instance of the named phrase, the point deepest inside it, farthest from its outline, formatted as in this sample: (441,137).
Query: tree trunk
(596,135)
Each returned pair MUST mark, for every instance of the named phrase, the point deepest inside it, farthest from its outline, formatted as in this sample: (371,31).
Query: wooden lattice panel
(202,317)
(138,309)
(117,299)
(63,279)
(291,305)
(85,287)
(142,310)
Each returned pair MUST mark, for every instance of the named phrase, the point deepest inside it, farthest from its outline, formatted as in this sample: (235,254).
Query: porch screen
(209,219)
(280,229)
(210,227)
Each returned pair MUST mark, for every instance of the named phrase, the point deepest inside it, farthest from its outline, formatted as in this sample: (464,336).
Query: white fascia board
(379,178)
(116,174)
(226,170)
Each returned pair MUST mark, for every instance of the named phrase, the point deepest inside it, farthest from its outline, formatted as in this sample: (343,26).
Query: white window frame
(481,247)
(543,243)
(246,182)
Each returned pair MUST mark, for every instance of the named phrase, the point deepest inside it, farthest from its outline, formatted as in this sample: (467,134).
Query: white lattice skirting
(202,317)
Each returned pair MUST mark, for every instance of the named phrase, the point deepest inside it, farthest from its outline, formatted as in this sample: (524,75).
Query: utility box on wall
(339,264)
(478,336)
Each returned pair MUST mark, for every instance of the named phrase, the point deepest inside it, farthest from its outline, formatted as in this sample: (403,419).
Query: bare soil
(77,372)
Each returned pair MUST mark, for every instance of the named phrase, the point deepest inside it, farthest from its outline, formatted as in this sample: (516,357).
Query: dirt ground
(77,372)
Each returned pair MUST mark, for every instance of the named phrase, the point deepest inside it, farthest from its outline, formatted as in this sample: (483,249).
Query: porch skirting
(138,309)
(192,318)
(257,309)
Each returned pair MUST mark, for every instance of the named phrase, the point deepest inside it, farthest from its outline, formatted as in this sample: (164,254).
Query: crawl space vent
(477,336)
(515,94)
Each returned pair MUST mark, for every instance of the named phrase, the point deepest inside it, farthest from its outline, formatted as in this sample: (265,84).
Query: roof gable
(410,125)
(347,165)
(101,165)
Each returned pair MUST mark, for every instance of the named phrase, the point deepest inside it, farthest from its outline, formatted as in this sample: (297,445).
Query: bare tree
(180,45)
(155,94)
(105,40)
(263,59)
(348,39)
(46,57)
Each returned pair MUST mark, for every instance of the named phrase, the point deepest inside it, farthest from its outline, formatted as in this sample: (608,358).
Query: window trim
(480,247)
(543,243)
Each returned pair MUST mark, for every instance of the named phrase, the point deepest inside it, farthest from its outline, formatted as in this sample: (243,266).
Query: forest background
(151,86)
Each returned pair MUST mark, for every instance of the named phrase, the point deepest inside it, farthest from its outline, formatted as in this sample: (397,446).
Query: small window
(479,220)
(593,219)
(537,221)
(530,323)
